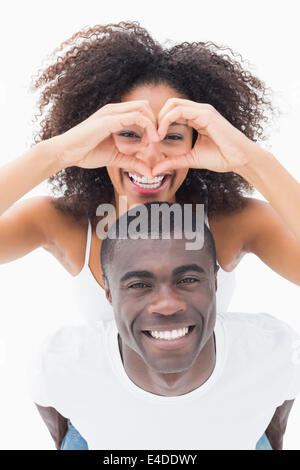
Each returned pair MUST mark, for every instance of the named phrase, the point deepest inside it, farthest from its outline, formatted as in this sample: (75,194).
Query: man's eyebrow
(131,274)
(188,267)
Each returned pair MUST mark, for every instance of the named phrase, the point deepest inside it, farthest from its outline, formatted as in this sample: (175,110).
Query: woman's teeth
(144,182)
(169,335)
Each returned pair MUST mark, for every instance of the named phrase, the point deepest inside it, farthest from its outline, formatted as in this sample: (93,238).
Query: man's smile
(169,338)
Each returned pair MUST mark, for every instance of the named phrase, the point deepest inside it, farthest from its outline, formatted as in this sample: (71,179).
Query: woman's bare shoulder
(43,213)
(251,210)
(62,220)
(234,230)
(36,222)
(64,235)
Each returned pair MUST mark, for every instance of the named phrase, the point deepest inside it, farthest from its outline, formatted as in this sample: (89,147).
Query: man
(168,373)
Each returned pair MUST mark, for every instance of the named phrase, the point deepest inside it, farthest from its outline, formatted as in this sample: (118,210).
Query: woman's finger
(129,162)
(170,104)
(128,106)
(118,122)
(173,163)
(190,114)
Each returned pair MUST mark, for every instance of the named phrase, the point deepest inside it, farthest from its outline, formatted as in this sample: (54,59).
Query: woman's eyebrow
(178,124)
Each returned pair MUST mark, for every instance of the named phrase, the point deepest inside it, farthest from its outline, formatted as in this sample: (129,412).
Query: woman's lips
(148,191)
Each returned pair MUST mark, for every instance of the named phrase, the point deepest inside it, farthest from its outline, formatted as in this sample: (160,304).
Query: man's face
(156,287)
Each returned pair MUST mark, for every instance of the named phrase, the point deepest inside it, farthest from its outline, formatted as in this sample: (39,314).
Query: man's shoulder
(259,327)
(74,342)
(64,358)
(68,336)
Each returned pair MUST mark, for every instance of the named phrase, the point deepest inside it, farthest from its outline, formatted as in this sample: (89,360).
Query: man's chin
(167,366)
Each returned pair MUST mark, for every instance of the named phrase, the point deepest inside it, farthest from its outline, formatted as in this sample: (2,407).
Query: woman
(124,107)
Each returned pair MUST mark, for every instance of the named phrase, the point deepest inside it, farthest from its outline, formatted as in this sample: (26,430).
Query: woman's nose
(151,154)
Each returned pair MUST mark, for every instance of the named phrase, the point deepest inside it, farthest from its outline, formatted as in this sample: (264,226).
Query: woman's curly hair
(106,61)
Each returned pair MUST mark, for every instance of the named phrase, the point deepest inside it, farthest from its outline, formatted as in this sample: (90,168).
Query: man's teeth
(145,182)
(169,334)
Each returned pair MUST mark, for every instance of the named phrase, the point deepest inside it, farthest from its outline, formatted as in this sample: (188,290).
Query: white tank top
(94,306)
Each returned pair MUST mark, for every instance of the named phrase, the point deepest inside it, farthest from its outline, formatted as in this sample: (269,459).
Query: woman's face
(178,141)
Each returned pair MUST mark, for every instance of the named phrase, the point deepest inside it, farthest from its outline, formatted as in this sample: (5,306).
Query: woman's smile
(145,186)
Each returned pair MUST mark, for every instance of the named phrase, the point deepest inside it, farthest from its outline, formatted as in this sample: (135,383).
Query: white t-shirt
(81,374)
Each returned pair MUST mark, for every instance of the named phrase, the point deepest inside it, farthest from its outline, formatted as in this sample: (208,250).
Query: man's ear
(106,289)
(216,277)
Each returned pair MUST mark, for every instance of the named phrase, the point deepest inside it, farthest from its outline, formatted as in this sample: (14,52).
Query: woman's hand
(219,147)
(90,144)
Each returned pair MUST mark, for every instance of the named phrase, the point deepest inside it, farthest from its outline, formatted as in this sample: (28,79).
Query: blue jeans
(74,441)
(263,443)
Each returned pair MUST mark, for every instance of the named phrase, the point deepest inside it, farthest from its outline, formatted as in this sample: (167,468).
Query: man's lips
(167,327)
(171,343)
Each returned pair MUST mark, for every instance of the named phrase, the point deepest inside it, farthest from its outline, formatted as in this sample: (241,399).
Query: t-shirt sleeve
(284,346)
(37,384)
(294,386)
(57,363)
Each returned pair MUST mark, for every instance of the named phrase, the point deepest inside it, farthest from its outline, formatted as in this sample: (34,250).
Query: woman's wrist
(46,154)
(260,168)
(21,175)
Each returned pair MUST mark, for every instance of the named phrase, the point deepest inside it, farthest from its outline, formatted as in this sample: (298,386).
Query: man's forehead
(156,255)
(157,247)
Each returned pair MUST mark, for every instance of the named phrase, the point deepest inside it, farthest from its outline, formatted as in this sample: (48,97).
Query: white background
(36,296)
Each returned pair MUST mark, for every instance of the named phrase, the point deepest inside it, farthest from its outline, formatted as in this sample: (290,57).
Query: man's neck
(171,384)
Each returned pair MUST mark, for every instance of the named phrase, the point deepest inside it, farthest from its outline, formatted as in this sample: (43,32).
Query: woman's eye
(128,134)
(174,137)
(167,137)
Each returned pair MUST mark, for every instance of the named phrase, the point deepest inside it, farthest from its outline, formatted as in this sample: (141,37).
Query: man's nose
(151,153)
(167,302)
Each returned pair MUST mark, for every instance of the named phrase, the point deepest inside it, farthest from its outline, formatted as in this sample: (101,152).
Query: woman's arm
(262,231)
(220,147)
(276,184)
(275,234)
(24,173)
(23,224)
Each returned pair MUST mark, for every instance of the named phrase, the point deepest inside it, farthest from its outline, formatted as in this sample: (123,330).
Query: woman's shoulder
(252,210)
(234,230)
(56,222)
(65,233)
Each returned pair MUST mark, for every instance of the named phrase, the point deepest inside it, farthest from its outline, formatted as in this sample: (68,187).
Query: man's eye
(138,285)
(188,280)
